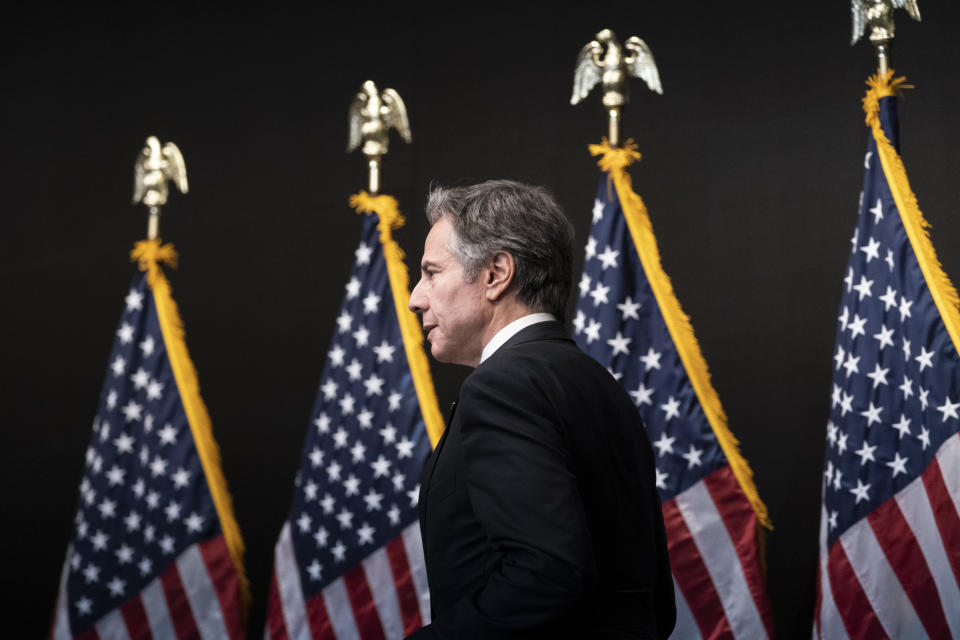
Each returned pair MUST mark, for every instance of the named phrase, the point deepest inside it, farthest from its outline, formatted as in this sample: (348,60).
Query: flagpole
(153,168)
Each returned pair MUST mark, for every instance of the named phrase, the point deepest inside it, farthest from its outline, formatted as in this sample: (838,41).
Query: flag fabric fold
(629,319)
(890,530)
(349,560)
(156,551)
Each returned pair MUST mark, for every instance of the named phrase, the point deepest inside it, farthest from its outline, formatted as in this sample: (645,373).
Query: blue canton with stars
(357,485)
(619,323)
(896,377)
(144,497)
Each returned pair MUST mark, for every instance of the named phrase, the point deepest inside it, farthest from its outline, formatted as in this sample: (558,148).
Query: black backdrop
(751,171)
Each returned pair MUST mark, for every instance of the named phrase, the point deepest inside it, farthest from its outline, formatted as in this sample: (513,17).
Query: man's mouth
(427,328)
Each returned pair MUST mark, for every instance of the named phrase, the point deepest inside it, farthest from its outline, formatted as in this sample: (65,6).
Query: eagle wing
(587,74)
(858,13)
(642,66)
(176,168)
(396,114)
(910,6)
(355,116)
(138,175)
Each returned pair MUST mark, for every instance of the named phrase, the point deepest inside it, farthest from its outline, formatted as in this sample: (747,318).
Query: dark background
(751,171)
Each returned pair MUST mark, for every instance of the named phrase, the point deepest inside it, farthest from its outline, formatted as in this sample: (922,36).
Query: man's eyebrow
(427,263)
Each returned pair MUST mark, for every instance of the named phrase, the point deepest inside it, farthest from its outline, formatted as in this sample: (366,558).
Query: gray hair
(520,219)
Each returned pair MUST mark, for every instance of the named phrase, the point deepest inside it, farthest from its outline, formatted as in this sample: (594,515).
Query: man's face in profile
(454,312)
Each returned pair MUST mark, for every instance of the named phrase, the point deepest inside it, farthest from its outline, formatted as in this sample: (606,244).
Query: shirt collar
(511,330)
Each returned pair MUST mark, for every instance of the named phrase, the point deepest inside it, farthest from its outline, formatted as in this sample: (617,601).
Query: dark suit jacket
(538,508)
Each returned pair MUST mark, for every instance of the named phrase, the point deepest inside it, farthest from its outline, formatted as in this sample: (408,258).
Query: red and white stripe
(711,534)
(195,597)
(385,596)
(896,573)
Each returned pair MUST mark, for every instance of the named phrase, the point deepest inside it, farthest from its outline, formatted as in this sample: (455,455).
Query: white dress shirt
(510,330)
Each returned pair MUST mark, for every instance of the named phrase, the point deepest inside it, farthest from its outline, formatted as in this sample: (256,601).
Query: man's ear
(498,275)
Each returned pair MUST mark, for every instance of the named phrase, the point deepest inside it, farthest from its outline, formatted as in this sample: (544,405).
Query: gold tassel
(149,254)
(389,219)
(943,292)
(615,162)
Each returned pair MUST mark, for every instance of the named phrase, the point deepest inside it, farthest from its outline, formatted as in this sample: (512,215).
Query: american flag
(890,531)
(349,561)
(629,320)
(149,557)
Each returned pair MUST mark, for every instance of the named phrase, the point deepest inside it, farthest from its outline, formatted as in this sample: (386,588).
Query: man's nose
(418,302)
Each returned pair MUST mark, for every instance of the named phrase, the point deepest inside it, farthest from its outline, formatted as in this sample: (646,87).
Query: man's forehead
(436,248)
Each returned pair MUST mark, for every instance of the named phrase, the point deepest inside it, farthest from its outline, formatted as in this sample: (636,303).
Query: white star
(131,411)
(362,336)
(340,438)
(124,554)
(584,285)
(339,551)
(132,521)
(866,160)
(91,573)
(371,303)
(692,457)
(903,427)
(833,520)
(871,249)
(168,435)
(889,298)
(384,352)
(374,385)
(906,349)
(661,479)
(373,500)
(664,444)
(123,443)
(363,254)
(599,294)
(323,423)
(333,471)
(879,375)
(906,387)
(118,366)
(877,211)
(578,322)
(856,326)
(591,249)
(414,495)
(154,390)
(948,409)
(153,501)
(365,534)
(398,480)
(925,358)
(365,418)
(336,356)
(380,466)
(145,566)
(304,522)
(848,279)
(125,333)
(108,508)
(315,570)
(905,308)
(134,300)
(923,397)
(111,399)
(924,437)
(405,448)
(889,259)
(837,480)
(166,544)
(852,365)
(140,379)
(671,408)
(898,464)
(642,395)
(353,288)
(394,401)
(872,414)
(609,258)
(115,476)
(329,389)
(310,491)
(346,404)
(835,396)
(885,337)
(394,514)
(619,344)
(321,537)
(84,606)
(345,518)
(181,478)
(116,586)
(592,332)
(358,451)
(866,453)
(139,487)
(327,503)
(831,433)
(597,210)
(147,345)
(864,287)
(389,434)
(172,511)
(838,357)
(860,491)
(616,374)
(344,320)
(842,442)
(628,309)
(355,370)
(651,360)
(99,540)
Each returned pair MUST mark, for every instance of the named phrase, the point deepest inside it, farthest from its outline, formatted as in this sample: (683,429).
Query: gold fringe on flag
(390,218)
(943,292)
(615,162)
(149,254)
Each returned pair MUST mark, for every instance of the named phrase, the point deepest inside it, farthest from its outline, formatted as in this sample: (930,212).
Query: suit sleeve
(523,490)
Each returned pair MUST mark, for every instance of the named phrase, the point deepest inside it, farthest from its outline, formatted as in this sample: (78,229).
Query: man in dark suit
(538,509)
